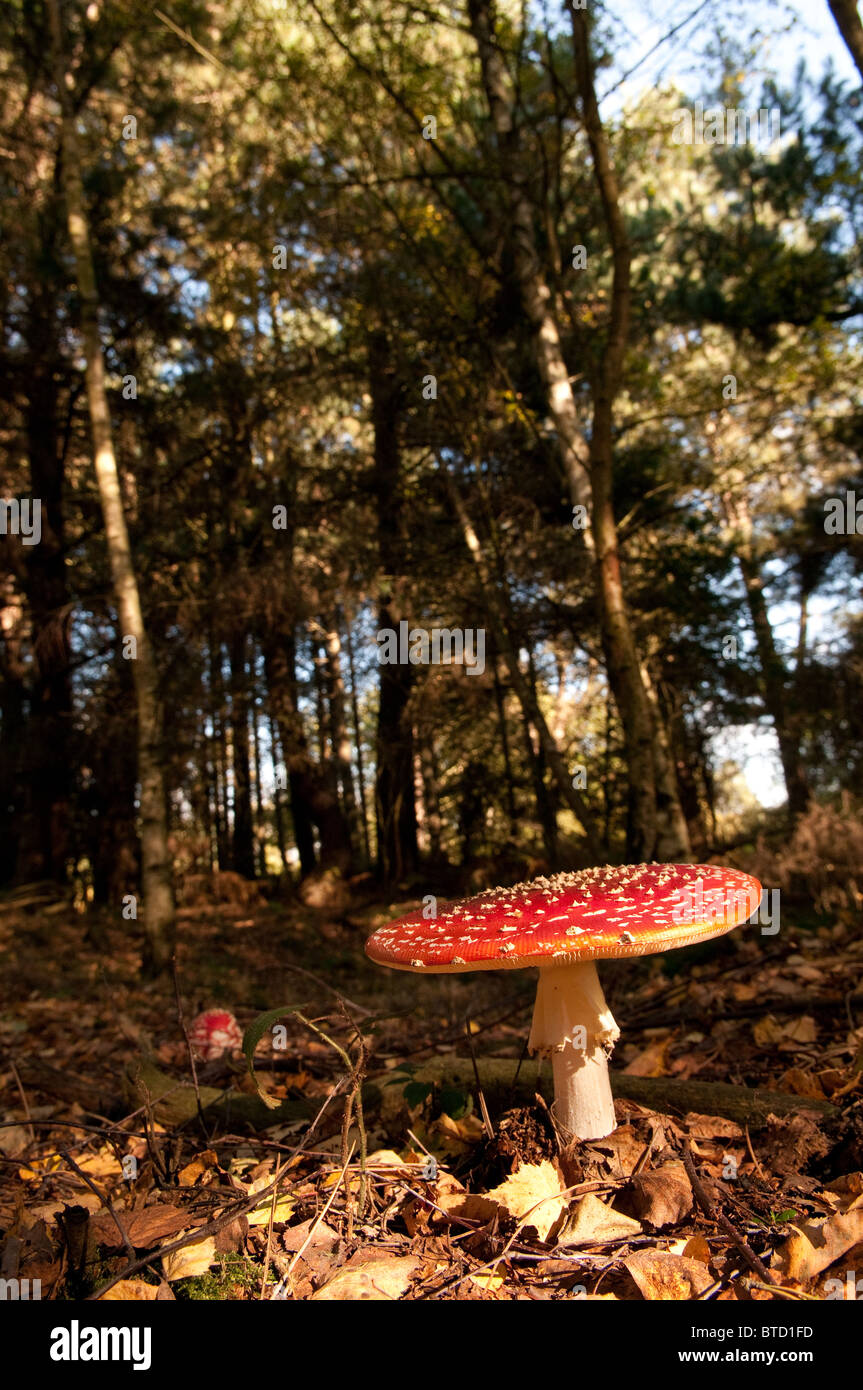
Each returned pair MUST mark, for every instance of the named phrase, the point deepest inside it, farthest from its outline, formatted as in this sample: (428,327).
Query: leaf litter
(125,1173)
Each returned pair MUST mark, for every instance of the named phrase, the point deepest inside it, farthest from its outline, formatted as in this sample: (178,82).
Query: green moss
(235,1277)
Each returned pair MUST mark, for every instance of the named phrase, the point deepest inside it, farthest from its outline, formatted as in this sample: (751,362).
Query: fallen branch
(739,1103)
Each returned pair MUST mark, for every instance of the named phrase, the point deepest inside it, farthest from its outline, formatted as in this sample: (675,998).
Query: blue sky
(788,32)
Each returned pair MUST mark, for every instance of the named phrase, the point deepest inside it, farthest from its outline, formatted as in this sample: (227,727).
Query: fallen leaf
(320,1237)
(382,1280)
(652,1061)
(385,1158)
(789,1143)
(260,1216)
(696,1248)
(664,1278)
(592,1222)
(800,1083)
(534,1188)
(848,1189)
(190,1260)
(199,1165)
(815,1246)
(661,1198)
(144,1228)
(533,1191)
(131,1291)
(625,1148)
(14,1140)
(711,1127)
(769,1032)
(491,1282)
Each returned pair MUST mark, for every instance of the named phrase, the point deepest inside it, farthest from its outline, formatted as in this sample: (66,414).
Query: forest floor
(386,1172)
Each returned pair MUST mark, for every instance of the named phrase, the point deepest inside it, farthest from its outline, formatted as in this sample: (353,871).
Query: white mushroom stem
(573,1025)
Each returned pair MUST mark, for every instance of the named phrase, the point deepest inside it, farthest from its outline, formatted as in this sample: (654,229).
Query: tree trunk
(260,841)
(395,809)
(358,738)
(521,686)
(220,754)
(847,16)
(656,823)
(243,843)
(277,793)
(500,701)
(313,800)
(158,908)
(339,739)
(44,818)
(775,681)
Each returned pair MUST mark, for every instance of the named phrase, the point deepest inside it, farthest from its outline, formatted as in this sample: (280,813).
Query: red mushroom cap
(215,1032)
(629,910)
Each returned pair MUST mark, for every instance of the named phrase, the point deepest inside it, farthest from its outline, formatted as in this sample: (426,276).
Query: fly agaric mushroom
(213,1033)
(563,925)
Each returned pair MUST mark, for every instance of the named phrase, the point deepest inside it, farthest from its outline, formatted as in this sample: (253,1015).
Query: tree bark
(339,738)
(520,684)
(744,1105)
(657,827)
(358,737)
(775,679)
(242,840)
(847,17)
(156,882)
(44,818)
(395,808)
(313,800)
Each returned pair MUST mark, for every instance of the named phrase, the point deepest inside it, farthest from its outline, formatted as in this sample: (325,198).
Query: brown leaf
(199,1165)
(534,1188)
(625,1148)
(790,1142)
(800,1083)
(711,1127)
(696,1248)
(190,1260)
(664,1278)
(848,1190)
(593,1222)
(144,1228)
(816,1245)
(768,1031)
(381,1280)
(652,1061)
(661,1198)
(131,1291)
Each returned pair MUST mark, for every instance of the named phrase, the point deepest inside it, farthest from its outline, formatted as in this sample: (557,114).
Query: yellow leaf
(375,1280)
(492,1282)
(815,1246)
(131,1291)
(533,1192)
(593,1222)
(197,1168)
(667,1278)
(260,1216)
(191,1260)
